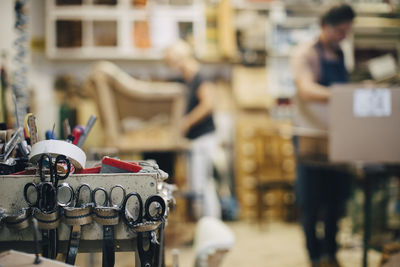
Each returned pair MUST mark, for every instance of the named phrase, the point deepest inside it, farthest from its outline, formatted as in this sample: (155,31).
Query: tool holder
(78,215)
(106,215)
(19,220)
(15,234)
(47,220)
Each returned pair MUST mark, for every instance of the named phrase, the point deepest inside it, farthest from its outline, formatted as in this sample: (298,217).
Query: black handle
(108,258)
(43,157)
(105,196)
(154,199)
(131,221)
(61,159)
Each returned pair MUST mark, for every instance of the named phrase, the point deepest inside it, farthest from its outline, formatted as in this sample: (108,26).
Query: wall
(6,25)
(39,79)
(43,72)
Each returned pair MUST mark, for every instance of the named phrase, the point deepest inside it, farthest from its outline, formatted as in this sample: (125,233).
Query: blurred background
(244,47)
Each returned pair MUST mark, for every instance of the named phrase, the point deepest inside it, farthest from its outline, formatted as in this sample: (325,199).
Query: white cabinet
(121,29)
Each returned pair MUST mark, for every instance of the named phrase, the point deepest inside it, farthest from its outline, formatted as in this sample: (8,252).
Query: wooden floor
(273,245)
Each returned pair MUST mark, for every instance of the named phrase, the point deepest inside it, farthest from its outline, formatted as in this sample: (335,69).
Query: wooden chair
(136,115)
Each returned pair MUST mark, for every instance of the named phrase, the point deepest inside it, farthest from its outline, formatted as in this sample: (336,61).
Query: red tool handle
(128,166)
(76,133)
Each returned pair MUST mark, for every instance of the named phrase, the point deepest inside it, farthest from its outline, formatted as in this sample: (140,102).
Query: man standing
(321,190)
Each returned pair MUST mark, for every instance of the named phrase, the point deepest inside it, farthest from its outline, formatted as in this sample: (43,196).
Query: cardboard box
(364,124)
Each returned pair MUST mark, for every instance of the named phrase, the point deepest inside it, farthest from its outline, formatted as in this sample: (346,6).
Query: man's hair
(338,14)
(181,49)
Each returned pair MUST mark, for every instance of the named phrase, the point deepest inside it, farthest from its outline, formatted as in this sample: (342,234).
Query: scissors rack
(12,200)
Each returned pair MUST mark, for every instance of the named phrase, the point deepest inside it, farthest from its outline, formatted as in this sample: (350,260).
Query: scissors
(76,216)
(53,168)
(146,224)
(108,201)
(107,214)
(82,204)
(148,216)
(46,191)
(46,200)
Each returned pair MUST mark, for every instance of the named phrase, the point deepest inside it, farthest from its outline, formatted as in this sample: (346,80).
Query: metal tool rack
(12,200)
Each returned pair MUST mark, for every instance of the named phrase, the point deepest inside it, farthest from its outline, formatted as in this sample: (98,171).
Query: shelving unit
(315,7)
(120,29)
(375,33)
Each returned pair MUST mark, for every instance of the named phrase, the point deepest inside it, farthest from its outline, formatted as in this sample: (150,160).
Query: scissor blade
(53,236)
(108,258)
(73,244)
(45,243)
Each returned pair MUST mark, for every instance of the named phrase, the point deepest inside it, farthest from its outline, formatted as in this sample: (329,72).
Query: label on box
(372,102)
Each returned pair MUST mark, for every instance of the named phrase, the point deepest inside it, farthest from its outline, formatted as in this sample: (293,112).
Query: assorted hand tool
(51,200)
(24,144)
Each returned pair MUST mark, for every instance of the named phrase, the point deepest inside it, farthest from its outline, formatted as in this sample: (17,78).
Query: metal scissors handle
(94,192)
(54,173)
(37,192)
(111,201)
(70,195)
(160,204)
(42,159)
(108,200)
(57,176)
(78,194)
(46,196)
(127,217)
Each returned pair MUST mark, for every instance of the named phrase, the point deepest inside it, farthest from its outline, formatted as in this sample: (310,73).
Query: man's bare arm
(203,109)
(305,77)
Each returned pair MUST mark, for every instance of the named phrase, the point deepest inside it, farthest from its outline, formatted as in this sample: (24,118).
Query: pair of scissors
(76,215)
(136,224)
(147,223)
(47,190)
(46,198)
(107,213)
(55,174)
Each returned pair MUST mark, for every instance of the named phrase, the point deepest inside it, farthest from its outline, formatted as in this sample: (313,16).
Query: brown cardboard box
(364,124)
